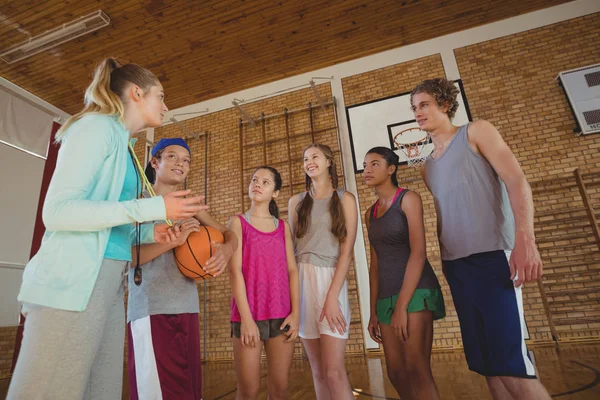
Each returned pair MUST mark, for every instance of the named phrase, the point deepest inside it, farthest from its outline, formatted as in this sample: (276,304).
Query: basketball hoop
(413,142)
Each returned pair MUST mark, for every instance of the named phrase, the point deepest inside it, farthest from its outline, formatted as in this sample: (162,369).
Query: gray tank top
(164,290)
(472,205)
(318,246)
(389,237)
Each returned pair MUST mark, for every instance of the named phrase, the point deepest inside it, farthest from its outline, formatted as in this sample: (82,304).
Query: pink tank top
(265,270)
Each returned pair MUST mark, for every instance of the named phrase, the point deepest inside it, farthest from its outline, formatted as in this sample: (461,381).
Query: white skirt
(314,285)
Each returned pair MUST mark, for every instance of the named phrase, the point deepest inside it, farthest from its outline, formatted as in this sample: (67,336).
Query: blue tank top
(119,241)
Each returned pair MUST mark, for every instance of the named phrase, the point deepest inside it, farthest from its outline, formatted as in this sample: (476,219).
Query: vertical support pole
(263,125)
(339,143)
(312,122)
(289,150)
(241,124)
(542,290)
(206,201)
(588,205)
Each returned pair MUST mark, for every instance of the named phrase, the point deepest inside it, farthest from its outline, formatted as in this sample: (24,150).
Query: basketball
(195,252)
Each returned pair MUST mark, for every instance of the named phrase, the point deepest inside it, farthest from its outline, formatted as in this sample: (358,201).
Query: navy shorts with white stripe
(490,312)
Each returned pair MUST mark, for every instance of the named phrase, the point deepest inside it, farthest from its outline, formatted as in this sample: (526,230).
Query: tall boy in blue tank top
(484,208)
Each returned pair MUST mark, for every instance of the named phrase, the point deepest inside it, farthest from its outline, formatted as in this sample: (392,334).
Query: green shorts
(423,299)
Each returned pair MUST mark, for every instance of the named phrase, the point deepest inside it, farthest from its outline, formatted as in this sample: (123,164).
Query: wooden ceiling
(204,49)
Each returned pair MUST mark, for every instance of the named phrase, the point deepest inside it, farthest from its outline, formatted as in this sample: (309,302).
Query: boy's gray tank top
(471,201)
(319,246)
(164,289)
(389,237)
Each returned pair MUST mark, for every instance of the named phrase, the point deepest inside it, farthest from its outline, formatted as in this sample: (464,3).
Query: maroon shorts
(164,357)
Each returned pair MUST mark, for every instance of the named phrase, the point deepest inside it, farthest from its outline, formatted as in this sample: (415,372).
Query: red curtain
(39,229)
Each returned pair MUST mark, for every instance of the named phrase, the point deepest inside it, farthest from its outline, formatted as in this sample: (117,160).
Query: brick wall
(510,81)
(224,185)
(7,346)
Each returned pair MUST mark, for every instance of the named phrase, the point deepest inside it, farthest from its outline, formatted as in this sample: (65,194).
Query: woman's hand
(165,234)
(333,313)
(249,334)
(400,323)
(374,330)
(186,228)
(293,323)
(180,207)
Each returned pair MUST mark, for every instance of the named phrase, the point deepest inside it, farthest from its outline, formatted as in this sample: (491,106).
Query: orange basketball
(195,252)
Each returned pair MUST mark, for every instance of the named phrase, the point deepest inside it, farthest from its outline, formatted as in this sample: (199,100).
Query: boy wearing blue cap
(163,305)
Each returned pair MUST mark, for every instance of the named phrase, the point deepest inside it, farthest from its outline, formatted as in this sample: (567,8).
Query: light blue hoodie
(80,209)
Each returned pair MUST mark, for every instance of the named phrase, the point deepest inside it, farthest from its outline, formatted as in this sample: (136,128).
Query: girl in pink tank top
(264,281)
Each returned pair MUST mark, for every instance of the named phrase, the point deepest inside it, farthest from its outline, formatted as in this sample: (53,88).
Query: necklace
(437,150)
(259,216)
(312,194)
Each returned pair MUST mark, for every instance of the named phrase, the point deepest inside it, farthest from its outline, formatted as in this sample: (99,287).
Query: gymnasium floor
(573,373)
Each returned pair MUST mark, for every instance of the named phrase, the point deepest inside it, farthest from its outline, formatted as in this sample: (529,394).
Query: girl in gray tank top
(162,301)
(405,293)
(323,221)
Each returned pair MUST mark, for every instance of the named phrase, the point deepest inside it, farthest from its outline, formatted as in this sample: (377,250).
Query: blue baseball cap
(166,142)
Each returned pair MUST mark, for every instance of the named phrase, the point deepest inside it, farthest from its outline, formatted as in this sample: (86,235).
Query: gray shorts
(267,329)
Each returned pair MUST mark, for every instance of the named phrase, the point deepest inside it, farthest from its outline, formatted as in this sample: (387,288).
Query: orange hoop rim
(416,142)
(413,150)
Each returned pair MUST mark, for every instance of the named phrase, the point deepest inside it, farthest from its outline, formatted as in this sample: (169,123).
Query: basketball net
(412,142)
(145,183)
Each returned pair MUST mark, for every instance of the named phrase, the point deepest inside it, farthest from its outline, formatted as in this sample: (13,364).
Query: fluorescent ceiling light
(56,36)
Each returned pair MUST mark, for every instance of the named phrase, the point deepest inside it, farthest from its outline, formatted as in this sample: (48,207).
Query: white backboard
(376,122)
